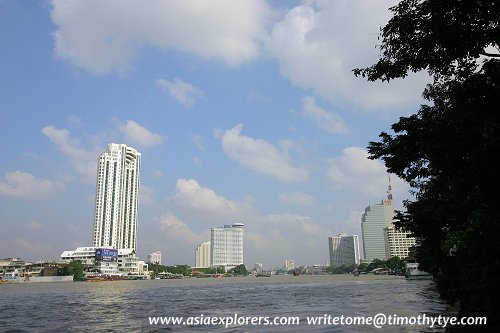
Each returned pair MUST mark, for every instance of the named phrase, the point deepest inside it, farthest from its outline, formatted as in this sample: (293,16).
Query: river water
(125,306)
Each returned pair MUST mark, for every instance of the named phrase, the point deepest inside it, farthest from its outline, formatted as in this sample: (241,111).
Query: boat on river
(413,273)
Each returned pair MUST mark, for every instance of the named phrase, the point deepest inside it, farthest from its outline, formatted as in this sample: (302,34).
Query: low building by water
(17,268)
(105,260)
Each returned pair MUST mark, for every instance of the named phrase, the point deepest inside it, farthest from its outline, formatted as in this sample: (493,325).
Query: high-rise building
(155,257)
(289,265)
(117,198)
(397,243)
(202,255)
(227,245)
(374,220)
(344,249)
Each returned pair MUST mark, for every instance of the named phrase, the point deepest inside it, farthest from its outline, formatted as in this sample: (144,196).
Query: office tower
(227,245)
(202,255)
(397,243)
(344,249)
(155,258)
(117,198)
(374,220)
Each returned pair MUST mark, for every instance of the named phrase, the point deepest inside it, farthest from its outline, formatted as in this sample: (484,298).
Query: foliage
(340,269)
(155,268)
(208,270)
(179,269)
(74,268)
(443,37)
(362,266)
(376,263)
(395,264)
(239,270)
(446,150)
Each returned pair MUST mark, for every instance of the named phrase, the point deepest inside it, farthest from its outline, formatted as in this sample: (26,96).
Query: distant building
(142,268)
(397,243)
(374,220)
(18,268)
(258,267)
(344,249)
(226,245)
(289,265)
(202,255)
(104,260)
(154,258)
(380,239)
(117,198)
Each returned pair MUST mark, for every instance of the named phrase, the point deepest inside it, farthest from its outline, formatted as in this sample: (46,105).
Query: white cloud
(84,162)
(34,225)
(20,184)
(261,156)
(332,38)
(104,36)
(193,197)
(157,173)
(135,134)
(147,195)
(176,229)
(297,198)
(273,238)
(328,121)
(354,171)
(185,93)
(296,222)
(31,247)
(198,140)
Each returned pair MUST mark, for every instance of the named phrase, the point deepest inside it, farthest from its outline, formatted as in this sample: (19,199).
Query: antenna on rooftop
(389,188)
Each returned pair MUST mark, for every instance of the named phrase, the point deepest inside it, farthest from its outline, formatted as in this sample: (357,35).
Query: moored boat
(413,273)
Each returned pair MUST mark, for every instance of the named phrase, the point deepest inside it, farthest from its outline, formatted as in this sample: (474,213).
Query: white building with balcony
(226,244)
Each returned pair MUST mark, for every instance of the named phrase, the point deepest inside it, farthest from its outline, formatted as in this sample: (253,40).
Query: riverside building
(373,222)
(380,239)
(104,260)
(344,249)
(397,243)
(202,255)
(117,198)
(226,245)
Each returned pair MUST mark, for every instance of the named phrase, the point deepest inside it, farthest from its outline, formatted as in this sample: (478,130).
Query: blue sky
(244,111)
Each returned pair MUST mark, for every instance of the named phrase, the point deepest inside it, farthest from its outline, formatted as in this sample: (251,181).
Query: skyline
(248,114)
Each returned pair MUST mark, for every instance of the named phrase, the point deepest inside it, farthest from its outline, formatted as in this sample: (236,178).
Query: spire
(389,188)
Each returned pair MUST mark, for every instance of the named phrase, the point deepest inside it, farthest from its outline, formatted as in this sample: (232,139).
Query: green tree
(239,270)
(340,269)
(74,268)
(395,264)
(445,151)
(362,266)
(443,37)
(376,263)
(178,269)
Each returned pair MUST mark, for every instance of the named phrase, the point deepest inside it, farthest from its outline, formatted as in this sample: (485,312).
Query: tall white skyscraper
(227,245)
(344,249)
(202,255)
(374,220)
(117,197)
